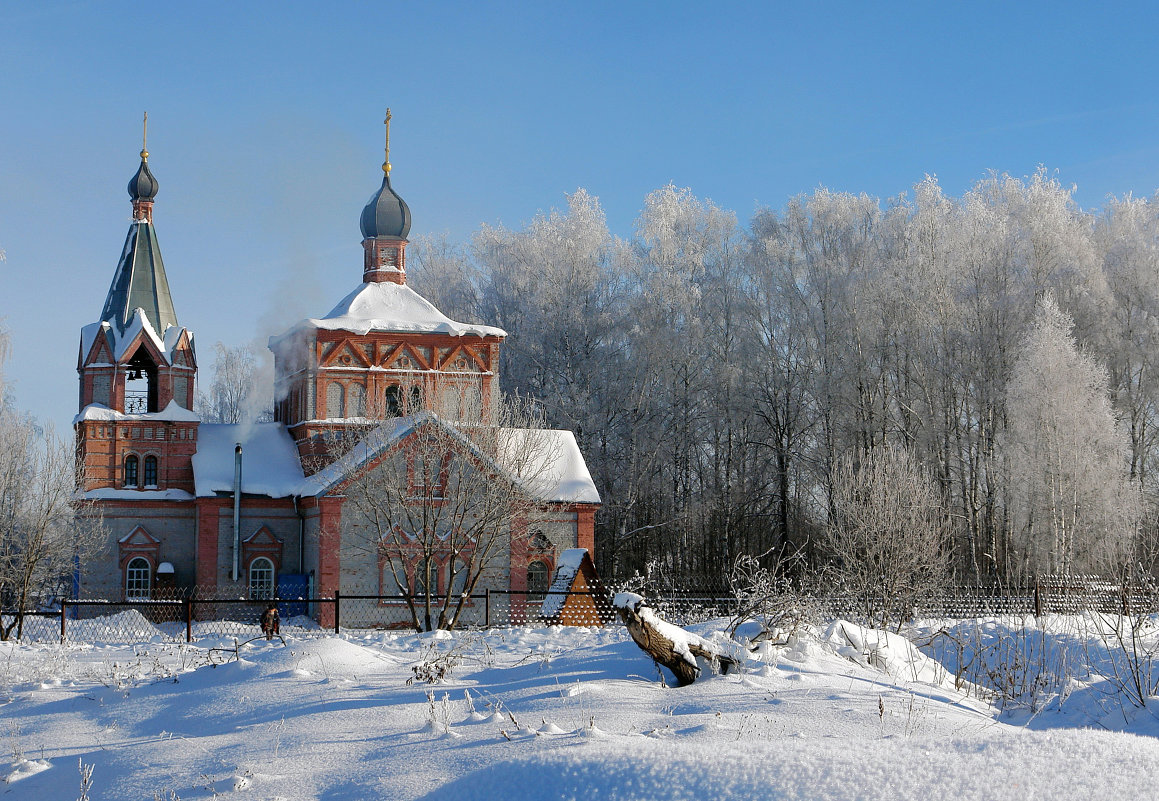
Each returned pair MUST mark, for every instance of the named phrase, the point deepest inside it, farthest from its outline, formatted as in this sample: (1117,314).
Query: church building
(257,509)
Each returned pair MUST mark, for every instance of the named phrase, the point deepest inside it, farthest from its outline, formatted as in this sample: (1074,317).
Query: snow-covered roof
(566,568)
(270,463)
(393,308)
(120,342)
(173,413)
(556,470)
(88,335)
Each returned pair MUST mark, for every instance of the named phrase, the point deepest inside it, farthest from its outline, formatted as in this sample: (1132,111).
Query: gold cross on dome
(386,163)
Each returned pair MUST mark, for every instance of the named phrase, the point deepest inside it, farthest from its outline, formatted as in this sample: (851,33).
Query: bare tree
(240,390)
(46,530)
(888,534)
(439,506)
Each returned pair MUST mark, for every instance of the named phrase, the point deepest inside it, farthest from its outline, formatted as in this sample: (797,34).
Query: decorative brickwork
(384,260)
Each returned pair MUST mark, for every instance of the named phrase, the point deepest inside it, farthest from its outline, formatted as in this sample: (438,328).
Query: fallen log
(668,645)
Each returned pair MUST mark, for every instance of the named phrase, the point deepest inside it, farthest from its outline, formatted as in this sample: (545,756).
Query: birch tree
(1073,509)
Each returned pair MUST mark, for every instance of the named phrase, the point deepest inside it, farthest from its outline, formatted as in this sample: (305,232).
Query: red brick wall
(209,511)
(328,576)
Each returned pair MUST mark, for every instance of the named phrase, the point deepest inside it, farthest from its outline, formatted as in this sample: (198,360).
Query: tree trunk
(645,627)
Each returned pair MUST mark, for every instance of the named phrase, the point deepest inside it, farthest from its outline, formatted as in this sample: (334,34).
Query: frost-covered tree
(241,387)
(443,273)
(717,376)
(559,289)
(1128,238)
(1072,508)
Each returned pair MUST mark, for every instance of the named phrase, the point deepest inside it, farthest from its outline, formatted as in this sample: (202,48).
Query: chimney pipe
(236,510)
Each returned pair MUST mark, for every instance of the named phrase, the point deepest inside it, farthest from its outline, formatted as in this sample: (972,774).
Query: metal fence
(190,619)
(194,618)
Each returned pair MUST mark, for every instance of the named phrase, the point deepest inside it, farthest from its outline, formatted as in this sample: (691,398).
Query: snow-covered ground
(547,713)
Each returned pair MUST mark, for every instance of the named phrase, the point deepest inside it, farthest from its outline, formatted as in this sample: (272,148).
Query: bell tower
(137,366)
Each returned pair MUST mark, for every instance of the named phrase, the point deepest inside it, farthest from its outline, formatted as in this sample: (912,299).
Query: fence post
(337,610)
(487,608)
(188,620)
(63,604)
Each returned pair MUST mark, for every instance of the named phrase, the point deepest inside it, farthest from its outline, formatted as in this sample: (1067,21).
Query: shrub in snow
(887,535)
(767,603)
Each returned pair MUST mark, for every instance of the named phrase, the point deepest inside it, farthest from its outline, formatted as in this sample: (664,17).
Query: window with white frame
(138,578)
(261,578)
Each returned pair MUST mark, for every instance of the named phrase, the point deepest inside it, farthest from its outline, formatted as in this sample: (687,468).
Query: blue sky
(265,130)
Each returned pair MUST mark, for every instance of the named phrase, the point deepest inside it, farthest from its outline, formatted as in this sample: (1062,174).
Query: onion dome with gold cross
(386,216)
(143,185)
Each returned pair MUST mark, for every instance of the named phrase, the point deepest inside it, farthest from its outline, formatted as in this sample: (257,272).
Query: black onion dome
(143,186)
(386,215)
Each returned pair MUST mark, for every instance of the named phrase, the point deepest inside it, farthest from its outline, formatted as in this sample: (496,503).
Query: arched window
(150,471)
(357,401)
(261,578)
(392,401)
(536,580)
(140,383)
(414,400)
(131,470)
(335,400)
(138,578)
